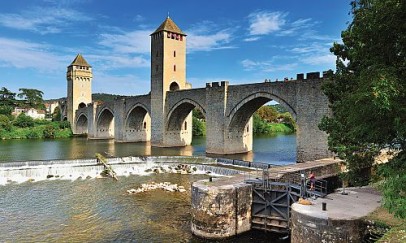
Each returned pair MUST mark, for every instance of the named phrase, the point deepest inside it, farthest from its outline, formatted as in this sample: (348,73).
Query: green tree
(5,122)
(199,127)
(7,101)
(267,113)
(57,114)
(367,95)
(23,120)
(31,98)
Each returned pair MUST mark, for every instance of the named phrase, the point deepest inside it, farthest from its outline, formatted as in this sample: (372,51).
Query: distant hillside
(106,97)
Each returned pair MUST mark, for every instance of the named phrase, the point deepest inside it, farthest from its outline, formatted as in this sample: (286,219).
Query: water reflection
(276,150)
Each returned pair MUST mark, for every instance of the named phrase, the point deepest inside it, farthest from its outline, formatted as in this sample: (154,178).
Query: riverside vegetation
(367,94)
(23,126)
(269,119)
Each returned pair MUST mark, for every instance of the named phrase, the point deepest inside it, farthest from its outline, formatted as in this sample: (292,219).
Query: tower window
(174,53)
(174,68)
(185,125)
(145,125)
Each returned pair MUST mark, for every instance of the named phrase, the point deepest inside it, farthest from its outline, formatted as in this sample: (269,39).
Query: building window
(145,125)
(185,125)
(174,68)
(174,53)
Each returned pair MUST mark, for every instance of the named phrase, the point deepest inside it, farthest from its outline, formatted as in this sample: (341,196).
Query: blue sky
(240,41)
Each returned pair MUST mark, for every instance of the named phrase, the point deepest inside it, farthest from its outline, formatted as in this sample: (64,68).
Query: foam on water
(19,172)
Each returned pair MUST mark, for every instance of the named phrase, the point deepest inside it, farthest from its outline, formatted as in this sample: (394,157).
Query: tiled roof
(80,61)
(169,25)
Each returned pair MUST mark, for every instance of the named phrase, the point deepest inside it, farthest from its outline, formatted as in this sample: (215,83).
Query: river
(100,210)
(280,149)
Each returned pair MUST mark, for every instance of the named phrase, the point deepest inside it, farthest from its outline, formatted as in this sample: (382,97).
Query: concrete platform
(358,203)
(341,222)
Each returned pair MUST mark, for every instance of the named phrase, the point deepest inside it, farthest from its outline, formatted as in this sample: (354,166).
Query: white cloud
(326,59)
(263,23)
(132,42)
(138,18)
(316,53)
(22,54)
(208,36)
(298,27)
(250,39)
(42,20)
(209,42)
(120,84)
(117,61)
(267,66)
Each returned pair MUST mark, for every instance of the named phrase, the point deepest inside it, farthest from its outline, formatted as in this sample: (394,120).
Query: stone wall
(220,210)
(228,110)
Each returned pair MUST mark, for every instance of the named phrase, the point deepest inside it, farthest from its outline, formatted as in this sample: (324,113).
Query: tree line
(23,126)
(367,94)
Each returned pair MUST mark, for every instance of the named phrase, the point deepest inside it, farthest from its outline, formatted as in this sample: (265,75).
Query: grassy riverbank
(36,129)
(397,231)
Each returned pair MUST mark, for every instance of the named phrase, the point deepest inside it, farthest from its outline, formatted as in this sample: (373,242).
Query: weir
(84,168)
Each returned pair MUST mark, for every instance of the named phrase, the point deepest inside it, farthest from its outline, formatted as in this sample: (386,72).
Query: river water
(269,149)
(100,210)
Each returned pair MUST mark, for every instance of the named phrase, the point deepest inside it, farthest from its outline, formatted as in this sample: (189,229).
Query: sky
(240,41)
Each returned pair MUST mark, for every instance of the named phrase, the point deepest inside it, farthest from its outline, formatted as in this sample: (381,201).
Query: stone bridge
(228,110)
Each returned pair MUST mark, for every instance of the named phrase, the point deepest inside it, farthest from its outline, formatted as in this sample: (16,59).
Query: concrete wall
(305,228)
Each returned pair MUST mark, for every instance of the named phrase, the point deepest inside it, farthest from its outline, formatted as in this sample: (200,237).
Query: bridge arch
(242,112)
(105,124)
(177,115)
(138,124)
(81,124)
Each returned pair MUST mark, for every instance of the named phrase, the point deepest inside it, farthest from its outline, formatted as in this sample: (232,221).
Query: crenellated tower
(168,73)
(79,76)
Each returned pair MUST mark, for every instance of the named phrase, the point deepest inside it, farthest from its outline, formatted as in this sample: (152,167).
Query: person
(312,178)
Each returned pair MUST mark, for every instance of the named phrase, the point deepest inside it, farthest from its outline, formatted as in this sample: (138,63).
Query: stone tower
(79,76)
(168,73)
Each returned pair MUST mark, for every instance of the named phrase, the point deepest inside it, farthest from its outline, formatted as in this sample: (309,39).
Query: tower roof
(79,61)
(169,25)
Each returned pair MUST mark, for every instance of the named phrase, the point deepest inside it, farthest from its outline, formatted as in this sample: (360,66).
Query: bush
(5,122)
(34,133)
(64,124)
(23,120)
(49,131)
(199,127)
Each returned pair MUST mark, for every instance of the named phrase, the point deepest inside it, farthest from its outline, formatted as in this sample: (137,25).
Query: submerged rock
(166,186)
